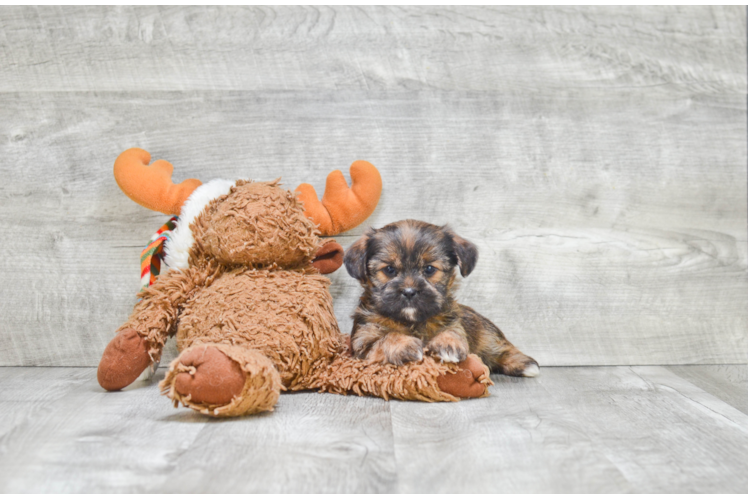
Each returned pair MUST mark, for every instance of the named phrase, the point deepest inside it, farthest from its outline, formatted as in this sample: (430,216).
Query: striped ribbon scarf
(153,254)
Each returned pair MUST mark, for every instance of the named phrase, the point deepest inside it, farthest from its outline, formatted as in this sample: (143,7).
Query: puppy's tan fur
(408,309)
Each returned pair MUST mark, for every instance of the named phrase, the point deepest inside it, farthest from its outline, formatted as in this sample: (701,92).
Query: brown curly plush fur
(257,224)
(251,293)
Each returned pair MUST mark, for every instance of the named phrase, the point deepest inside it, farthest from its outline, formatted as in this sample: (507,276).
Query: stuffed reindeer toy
(245,295)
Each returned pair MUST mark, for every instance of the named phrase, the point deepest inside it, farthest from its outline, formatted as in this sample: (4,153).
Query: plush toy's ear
(329,258)
(356,257)
(343,208)
(467,253)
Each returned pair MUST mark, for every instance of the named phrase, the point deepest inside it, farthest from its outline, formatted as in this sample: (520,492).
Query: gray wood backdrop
(597,156)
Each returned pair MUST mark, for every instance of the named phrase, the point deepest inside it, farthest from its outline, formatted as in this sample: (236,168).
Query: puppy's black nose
(409,293)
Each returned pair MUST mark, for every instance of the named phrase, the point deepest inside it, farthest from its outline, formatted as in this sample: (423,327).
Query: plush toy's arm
(155,315)
(141,338)
(427,380)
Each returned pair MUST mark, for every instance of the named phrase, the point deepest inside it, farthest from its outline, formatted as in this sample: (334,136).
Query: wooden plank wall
(597,156)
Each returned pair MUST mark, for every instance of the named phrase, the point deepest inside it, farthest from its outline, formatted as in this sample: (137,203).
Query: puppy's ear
(355,257)
(467,253)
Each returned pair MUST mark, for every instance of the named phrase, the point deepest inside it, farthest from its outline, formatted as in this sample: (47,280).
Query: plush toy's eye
(390,271)
(429,270)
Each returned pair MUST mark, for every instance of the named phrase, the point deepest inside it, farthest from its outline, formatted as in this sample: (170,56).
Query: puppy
(408,307)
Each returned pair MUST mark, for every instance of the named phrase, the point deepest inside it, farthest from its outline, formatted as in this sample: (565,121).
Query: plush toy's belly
(286,315)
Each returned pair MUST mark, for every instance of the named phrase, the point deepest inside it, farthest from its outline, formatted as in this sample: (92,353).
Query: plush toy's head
(247,223)
(257,224)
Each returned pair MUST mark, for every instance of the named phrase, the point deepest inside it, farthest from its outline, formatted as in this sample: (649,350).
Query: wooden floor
(582,429)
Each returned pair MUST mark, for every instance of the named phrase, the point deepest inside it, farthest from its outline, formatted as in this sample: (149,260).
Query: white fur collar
(177,248)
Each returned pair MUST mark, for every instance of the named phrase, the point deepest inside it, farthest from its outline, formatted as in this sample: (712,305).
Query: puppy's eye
(390,271)
(429,270)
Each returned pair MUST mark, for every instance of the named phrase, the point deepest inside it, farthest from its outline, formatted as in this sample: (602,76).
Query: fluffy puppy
(407,269)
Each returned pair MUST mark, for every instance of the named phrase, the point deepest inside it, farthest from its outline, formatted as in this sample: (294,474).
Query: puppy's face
(408,268)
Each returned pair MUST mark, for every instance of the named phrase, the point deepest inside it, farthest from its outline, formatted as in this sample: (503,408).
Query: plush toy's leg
(471,380)
(427,380)
(222,380)
(123,361)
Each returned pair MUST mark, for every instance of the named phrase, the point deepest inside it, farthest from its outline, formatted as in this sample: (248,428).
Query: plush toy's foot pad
(470,381)
(211,377)
(222,380)
(123,361)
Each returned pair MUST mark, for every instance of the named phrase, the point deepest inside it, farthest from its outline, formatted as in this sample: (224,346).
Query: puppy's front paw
(402,349)
(449,347)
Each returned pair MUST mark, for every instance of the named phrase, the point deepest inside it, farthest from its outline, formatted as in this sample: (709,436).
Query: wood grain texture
(580,264)
(591,430)
(581,430)
(90,440)
(31,393)
(597,157)
(728,383)
(684,50)
(311,443)
(60,432)
(521,439)
(659,440)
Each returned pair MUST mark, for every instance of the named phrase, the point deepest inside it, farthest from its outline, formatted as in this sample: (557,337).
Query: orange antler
(343,208)
(151,185)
